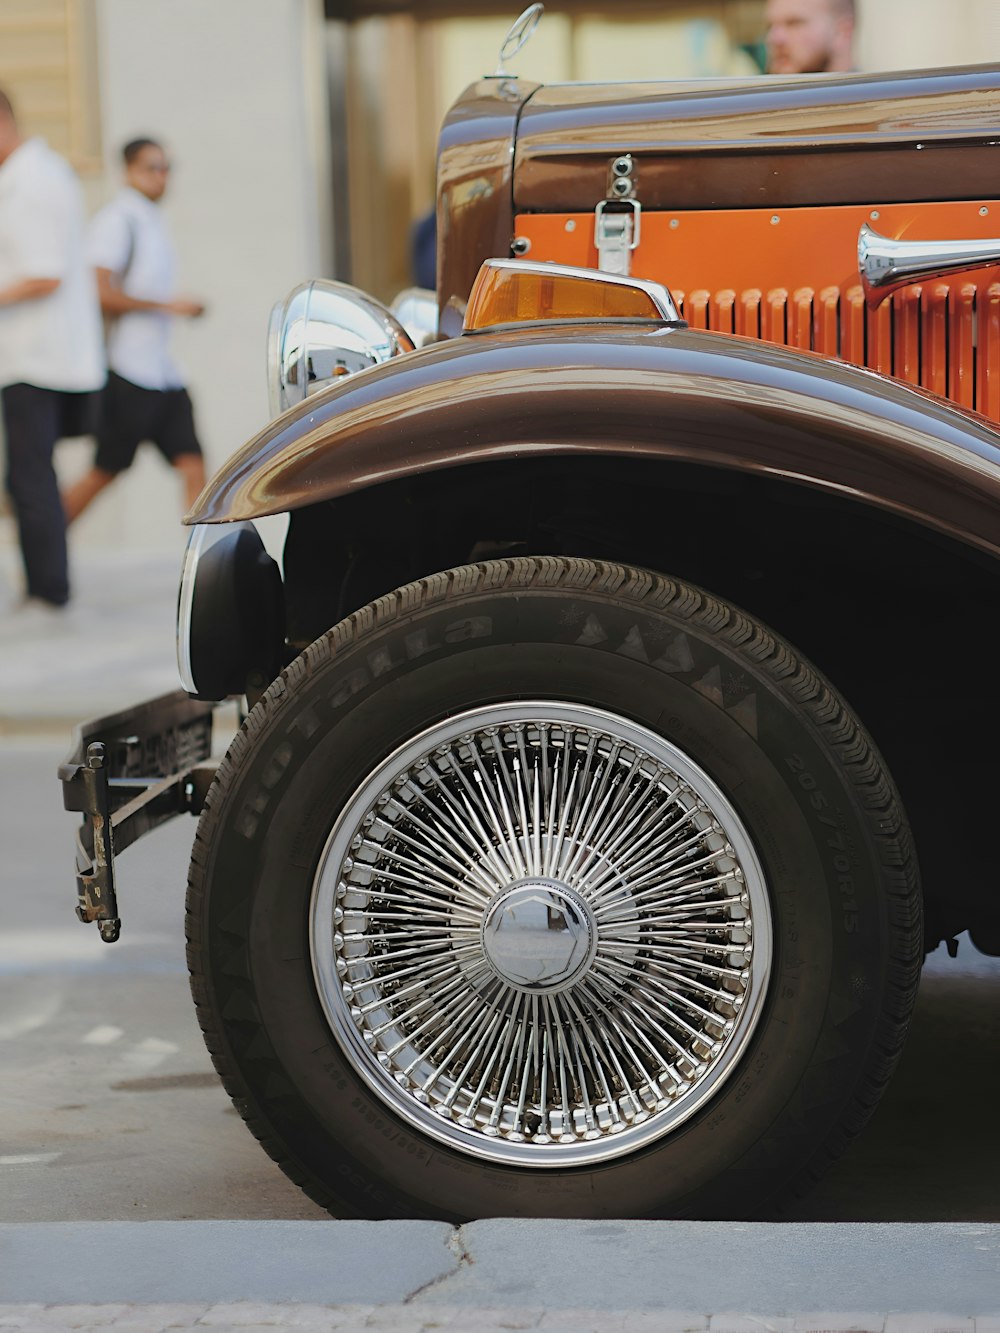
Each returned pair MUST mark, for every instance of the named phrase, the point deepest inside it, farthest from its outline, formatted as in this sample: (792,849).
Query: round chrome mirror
(322,331)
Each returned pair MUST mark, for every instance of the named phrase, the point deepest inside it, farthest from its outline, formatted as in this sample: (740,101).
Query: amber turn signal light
(510,291)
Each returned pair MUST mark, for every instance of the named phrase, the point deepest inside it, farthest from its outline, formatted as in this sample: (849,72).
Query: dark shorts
(131,414)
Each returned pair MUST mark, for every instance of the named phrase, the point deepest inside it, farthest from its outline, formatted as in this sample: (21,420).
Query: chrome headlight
(321,331)
(416,308)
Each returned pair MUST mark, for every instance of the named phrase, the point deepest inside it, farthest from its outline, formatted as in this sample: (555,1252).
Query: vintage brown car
(630,649)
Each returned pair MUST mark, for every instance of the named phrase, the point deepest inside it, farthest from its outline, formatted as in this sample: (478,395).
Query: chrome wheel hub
(541,934)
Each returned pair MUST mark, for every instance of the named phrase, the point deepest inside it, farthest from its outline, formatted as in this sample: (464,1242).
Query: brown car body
(621,441)
(815,483)
(510,148)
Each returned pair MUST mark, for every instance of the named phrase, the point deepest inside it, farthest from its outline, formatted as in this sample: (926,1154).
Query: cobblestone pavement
(247,1317)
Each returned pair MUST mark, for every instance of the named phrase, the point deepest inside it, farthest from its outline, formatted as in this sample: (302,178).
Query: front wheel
(543,887)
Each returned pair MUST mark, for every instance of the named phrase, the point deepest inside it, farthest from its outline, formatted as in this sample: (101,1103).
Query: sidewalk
(113,645)
(610,1277)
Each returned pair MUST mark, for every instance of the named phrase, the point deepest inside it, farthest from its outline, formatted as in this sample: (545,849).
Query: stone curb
(892,1273)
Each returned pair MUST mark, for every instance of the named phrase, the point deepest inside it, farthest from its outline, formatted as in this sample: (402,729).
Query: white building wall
(914,34)
(235,89)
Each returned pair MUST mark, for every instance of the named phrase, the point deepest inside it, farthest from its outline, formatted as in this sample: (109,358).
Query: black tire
(795,766)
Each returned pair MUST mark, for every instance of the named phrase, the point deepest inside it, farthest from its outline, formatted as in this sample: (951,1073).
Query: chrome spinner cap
(539,935)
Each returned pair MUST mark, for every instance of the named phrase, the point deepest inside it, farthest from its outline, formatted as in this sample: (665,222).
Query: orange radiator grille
(944,337)
(791,277)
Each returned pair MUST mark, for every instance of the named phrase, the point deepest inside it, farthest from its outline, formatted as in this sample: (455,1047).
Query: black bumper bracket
(127,774)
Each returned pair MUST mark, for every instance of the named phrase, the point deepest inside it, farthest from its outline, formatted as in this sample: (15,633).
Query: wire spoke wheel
(553,888)
(541,934)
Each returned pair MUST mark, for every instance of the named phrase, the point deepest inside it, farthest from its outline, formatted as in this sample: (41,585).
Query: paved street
(115,1111)
(111,1109)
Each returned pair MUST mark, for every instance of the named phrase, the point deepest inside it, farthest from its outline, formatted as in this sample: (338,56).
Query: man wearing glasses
(131,250)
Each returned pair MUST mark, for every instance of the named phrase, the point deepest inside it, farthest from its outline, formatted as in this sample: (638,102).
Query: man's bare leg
(192,470)
(80,494)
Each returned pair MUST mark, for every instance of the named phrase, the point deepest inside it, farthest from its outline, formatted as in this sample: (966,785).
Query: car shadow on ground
(929,1152)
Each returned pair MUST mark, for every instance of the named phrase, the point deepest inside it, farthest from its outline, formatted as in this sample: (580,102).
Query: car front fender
(631,390)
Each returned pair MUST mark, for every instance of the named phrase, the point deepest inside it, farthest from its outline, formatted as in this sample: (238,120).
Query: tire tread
(839,729)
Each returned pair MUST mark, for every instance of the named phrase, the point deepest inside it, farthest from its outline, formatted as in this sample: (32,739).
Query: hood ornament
(520,32)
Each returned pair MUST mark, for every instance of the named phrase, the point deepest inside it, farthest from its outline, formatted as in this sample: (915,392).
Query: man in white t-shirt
(51,351)
(131,250)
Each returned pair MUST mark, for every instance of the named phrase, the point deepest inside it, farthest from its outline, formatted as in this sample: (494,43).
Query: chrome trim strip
(203,537)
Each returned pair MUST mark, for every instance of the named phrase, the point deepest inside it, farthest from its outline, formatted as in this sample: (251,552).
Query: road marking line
(30,1019)
(149,1053)
(102,1036)
(29,1158)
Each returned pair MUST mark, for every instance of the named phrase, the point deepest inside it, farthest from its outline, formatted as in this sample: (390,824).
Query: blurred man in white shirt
(51,353)
(810,36)
(130,247)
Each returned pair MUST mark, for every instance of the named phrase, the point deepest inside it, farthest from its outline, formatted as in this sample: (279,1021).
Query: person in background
(810,36)
(423,251)
(51,354)
(145,398)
